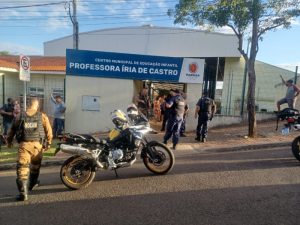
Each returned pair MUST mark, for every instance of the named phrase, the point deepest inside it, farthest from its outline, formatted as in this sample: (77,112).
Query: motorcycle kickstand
(116,173)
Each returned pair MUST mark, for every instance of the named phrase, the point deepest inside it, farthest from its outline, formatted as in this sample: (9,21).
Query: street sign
(24,68)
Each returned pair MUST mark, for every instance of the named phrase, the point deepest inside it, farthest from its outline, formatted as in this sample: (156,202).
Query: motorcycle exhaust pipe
(75,150)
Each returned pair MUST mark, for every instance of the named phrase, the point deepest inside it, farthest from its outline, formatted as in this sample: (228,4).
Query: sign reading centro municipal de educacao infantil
(133,66)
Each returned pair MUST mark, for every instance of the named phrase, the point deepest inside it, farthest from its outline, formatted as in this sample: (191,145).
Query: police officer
(205,110)
(176,105)
(34,134)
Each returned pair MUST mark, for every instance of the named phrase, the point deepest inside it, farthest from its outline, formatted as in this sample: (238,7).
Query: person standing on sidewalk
(7,113)
(176,105)
(34,134)
(59,115)
(291,94)
(205,110)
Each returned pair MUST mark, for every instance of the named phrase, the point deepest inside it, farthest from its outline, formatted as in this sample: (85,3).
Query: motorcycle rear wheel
(164,158)
(77,173)
(296,147)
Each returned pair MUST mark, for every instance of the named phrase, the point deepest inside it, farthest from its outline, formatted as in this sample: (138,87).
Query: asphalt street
(259,186)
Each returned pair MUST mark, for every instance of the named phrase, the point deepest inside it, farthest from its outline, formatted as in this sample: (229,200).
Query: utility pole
(75,24)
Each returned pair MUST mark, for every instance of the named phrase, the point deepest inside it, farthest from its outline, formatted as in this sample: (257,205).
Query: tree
(245,17)
(4,53)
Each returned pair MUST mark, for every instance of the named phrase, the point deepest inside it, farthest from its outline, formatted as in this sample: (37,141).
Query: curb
(58,162)
(245,147)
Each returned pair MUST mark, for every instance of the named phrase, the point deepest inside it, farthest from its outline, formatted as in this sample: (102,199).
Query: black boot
(23,190)
(33,181)
(197,138)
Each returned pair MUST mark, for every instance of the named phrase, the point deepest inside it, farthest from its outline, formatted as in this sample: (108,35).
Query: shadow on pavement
(273,204)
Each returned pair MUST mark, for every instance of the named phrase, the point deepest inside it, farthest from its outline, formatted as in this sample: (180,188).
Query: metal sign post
(24,74)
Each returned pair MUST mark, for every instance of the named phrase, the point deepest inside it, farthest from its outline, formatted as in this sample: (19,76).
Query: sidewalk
(234,137)
(220,139)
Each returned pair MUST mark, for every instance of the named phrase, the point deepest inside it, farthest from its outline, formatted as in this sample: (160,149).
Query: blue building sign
(133,66)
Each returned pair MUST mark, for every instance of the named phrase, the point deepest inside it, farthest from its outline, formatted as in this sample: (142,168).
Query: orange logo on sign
(193,67)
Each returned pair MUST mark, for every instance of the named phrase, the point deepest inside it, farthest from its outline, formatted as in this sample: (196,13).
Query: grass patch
(9,155)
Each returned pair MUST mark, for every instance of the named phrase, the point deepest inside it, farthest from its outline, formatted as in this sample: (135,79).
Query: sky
(24,30)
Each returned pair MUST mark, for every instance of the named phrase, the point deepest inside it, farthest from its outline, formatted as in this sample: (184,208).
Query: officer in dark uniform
(34,134)
(176,105)
(205,110)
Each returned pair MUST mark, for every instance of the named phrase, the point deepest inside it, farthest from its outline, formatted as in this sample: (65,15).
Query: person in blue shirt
(59,115)
(7,113)
(176,105)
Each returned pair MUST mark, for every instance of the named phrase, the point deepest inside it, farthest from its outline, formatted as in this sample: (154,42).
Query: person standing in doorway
(143,102)
(59,115)
(176,105)
(291,94)
(205,110)
(34,134)
(7,113)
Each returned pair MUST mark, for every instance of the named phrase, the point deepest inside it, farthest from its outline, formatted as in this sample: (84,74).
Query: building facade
(223,74)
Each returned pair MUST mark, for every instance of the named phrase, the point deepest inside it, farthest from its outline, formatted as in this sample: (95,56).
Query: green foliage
(237,14)
(4,53)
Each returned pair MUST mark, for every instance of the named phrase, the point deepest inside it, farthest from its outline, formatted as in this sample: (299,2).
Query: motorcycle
(292,117)
(119,150)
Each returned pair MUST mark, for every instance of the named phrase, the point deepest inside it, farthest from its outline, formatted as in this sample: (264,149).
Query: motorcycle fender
(147,150)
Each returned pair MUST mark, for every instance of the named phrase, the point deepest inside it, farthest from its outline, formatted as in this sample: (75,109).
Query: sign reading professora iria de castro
(133,66)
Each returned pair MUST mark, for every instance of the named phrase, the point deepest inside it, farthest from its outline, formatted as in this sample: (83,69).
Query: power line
(97,10)
(102,16)
(27,6)
(131,34)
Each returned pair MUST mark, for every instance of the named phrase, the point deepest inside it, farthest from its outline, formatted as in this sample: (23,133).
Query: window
(58,91)
(36,91)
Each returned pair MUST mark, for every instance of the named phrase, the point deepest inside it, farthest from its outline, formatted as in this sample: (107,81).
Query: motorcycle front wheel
(296,147)
(163,161)
(77,172)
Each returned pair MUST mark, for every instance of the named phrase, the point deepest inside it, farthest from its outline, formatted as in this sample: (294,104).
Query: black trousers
(202,127)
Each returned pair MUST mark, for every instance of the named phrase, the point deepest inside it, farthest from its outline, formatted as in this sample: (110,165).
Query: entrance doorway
(158,92)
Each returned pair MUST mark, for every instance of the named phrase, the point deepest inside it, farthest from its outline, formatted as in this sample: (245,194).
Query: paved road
(240,187)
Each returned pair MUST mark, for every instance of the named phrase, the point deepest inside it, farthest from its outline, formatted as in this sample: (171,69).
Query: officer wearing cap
(291,94)
(176,105)
(34,134)
(205,110)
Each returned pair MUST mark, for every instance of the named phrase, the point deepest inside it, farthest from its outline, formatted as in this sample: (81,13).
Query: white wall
(194,92)
(267,91)
(114,94)
(173,42)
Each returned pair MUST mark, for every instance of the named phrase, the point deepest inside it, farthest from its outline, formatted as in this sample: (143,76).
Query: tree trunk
(251,72)
(251,99)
